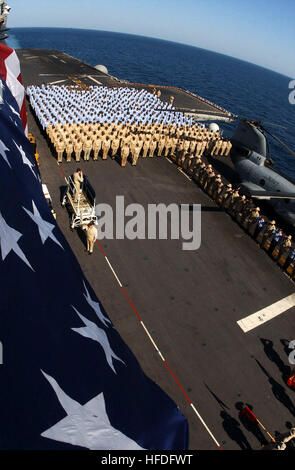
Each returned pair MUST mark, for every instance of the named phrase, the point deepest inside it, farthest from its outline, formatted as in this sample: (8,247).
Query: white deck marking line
(152,341)
(58,81)
(113,271)
(205,425)
(170,161)
(93,79)
(267,313)
(191,404)
(52,74)
(184,174)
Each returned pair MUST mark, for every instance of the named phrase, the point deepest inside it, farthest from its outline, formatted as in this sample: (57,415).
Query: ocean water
(240,87)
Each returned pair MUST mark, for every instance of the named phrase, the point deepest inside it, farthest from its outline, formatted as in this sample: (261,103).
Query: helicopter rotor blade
(280,142)
(192,111)
(260,123)
(208,115)
(274,124)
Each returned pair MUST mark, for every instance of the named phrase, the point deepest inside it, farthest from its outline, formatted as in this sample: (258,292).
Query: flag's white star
(45,228)
(13,110)
(12,120)
(96,307)
(3,150)
(8,241)
(86,425)
(92,331)
(25,158)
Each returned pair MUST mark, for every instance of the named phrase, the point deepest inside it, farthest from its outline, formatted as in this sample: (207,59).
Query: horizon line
(156,38)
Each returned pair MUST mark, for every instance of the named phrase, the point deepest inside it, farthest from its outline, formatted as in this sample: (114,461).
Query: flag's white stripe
(13,71)
(267,313)
(12,63)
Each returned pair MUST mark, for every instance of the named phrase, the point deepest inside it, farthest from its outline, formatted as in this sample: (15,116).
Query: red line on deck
(131,303)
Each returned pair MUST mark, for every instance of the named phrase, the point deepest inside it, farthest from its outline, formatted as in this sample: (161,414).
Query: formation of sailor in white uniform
(70,104)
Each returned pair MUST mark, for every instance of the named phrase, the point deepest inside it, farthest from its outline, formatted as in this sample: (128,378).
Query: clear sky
(259,31)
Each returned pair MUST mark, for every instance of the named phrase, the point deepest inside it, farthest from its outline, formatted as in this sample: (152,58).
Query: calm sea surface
(238,86)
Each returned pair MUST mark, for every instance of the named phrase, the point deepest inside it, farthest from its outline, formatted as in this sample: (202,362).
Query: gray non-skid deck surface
(40,66)
(189,301)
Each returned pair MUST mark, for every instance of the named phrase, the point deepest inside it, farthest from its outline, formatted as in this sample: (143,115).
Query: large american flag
(67,380)
(10,72)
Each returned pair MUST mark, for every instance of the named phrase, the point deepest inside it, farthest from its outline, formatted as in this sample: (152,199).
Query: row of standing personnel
(270,237)
(113,140)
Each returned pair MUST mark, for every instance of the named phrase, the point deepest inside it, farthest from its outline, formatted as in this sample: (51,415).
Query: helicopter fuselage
(250,156)
(256,169)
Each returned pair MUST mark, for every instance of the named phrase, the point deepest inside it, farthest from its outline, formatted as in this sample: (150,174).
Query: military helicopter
(250,156)
(254,167)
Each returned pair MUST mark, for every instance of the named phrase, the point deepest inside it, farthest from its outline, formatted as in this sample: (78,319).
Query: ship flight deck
(189,302)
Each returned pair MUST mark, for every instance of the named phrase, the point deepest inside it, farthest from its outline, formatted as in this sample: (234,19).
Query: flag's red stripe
(23,114)
(20,78)
(3,71)
(5,51)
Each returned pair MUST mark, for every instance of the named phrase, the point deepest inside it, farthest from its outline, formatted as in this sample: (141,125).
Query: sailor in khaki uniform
(91,237)
(60,147)
(152,148)
(114,147)
(219,147)
(192,147)
(146,146)
(203,147)
(161,145)
(223,148)
(213,148)
(194,166)
(217,190)
(106,144)
(87,147)
(135,153)
(198,148)
(228,148)
(174,141)
(168,145)
(96,145)
(69,150)
(125,150)
(226,195)
(78,179)
(78,149)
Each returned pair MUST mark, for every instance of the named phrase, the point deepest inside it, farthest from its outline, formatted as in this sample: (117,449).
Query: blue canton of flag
(67,380)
